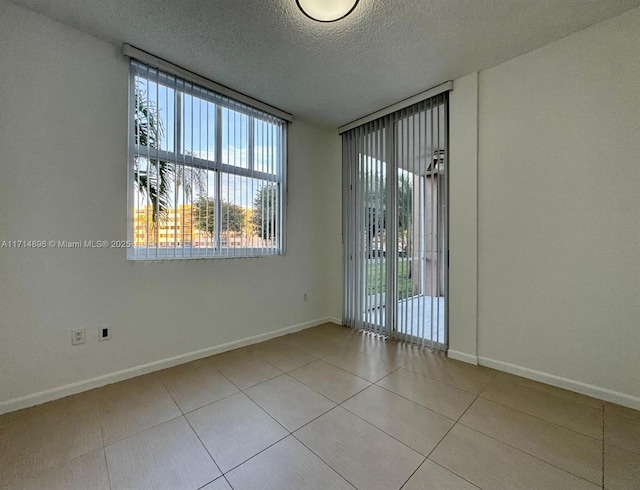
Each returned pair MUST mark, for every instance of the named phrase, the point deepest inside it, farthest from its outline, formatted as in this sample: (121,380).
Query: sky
(199,139)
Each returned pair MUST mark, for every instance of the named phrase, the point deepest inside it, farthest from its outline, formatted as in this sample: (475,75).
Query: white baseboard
(334,319)
(461,356)
(89,384)
(568,384)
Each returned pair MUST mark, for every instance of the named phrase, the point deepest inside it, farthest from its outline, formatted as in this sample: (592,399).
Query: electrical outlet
(104,333)
(78,336)
(305,297)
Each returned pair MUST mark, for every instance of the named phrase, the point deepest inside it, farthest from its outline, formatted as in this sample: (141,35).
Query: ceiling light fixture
(327,10)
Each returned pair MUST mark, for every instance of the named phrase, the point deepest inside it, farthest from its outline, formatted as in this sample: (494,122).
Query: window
(206,172)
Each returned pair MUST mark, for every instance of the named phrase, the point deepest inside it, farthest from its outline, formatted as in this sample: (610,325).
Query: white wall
(463,219)
(63,134)
(559,212)
(330,195)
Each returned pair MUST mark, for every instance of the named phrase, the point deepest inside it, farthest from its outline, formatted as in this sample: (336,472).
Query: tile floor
(326,408)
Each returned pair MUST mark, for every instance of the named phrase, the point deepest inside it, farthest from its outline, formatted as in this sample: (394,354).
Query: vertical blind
(207,173)
(395,223)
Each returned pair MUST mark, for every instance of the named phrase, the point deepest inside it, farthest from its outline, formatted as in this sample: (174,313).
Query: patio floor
(421,316)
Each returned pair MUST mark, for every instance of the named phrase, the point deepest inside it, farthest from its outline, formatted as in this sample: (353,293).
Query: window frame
(180,158)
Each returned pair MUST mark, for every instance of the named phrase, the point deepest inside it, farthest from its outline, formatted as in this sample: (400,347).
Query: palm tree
(154,179)
(192,179)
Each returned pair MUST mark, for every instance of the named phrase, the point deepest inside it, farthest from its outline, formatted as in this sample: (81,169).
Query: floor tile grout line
(314,419)
(603,447)
(538,391)
(301,366)
(105,446)
(210,359)
(286,371)
(305,424)
(465,410)
(280,370)
(337,403)
(383,431)
(296,380)
(209,482)
(170,395)
(325,360)
(196,434)
(256,384)
(538,417)
(390,372)
(42,469)
(457,387)
(443,382)
(228,482)
(256,454)
(144,430)
(106,467)
(266,381)
(180,367)
(455,423)
(528,453)
(99,414)
(265,410)
(404,363)
(163,379)
(211,403)
(321,459)
(578,401)
(453,473)
(301,348)
(396,394)
(355,394)
(206,404)
(227,378)
(413,473)
(412,401)
(376,358)
(204,447)
(216,479)
(345,370)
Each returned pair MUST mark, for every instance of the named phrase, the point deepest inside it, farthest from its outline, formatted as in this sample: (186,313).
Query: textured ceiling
(331,74)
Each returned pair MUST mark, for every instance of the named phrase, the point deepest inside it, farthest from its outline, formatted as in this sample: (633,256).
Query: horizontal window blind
(207,172)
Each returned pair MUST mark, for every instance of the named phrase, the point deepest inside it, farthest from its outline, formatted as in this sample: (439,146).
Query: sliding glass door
(365,222)
(395,224)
